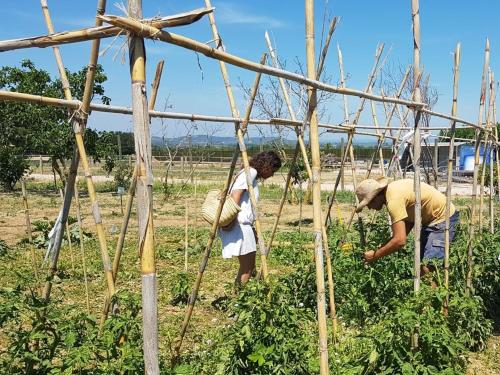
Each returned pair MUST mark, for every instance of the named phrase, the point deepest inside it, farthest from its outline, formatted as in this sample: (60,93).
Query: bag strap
(234,180)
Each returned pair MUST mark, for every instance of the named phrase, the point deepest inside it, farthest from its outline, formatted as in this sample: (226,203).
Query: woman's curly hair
(265,159)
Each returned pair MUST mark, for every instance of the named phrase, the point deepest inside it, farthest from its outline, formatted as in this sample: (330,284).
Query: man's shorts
(432,238)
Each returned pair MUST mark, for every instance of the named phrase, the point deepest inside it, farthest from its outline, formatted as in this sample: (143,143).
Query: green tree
(38,129)
(468,133)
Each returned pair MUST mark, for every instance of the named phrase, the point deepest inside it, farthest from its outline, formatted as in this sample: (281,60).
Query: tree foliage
(38,129)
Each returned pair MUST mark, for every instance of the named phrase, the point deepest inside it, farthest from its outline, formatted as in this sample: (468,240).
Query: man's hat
(368,189)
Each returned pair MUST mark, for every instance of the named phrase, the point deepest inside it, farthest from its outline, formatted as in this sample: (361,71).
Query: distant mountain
(201,140)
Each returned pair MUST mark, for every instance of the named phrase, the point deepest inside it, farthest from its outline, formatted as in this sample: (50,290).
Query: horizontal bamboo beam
(149,31)
(75,104)
(90,33)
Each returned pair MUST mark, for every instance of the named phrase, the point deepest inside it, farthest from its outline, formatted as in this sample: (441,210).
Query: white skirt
(239,240)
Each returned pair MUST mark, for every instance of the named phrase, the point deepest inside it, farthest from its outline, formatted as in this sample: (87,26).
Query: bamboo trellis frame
(151,29)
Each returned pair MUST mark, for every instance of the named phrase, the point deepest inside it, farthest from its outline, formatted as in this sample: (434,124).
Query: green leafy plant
(180,289)
(51,338)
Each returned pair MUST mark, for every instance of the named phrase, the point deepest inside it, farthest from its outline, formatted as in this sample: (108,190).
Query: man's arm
(400,231)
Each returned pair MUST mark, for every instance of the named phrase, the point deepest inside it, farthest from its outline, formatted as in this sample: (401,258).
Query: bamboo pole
(144,188)
(246,165)
(75,104)
(98,32)
(82,248)
(451,150)
(381,154)
(492,124)
(186,234)
(435,162)
(482,97)
(240,131)
(213,230)
(149,31)
(28,231)
(301,147)
(416,144)
(387,125)
(79,121)
(482,180)
(203,264)
(120,243)
(316,188)
(486,151)
(416,157)
(348,147)
(497,156)
(346,121)
(130,197)
(68,237)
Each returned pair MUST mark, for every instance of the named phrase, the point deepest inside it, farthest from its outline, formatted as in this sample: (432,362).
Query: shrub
(122,174)
(12,167)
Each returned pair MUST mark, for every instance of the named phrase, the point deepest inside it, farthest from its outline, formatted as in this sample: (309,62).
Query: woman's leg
(247,266)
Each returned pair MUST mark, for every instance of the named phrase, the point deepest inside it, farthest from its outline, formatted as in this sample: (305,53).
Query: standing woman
(239,238)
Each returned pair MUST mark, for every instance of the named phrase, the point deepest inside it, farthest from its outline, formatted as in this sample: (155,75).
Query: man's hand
(369,256)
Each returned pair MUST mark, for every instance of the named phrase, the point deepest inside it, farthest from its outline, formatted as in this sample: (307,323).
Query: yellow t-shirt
(400,196)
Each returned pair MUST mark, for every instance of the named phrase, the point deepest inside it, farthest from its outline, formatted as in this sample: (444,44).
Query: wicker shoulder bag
(229,211)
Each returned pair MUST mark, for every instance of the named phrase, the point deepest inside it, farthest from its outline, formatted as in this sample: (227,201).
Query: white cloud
(231,14)
(77,22)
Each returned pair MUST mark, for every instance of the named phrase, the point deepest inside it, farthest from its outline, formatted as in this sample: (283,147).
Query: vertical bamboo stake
(213,230)
(387,125)
(482,180)
(130,197)
(28,230)
(477,146)
(301,146)
(186,232)
(79,122)
(491,195)
(456,72)
(144,188)
(488,145)
(316,181)
(82,247)
(496,149)
(68,236)
(341,167)
(251,193)
(371,79)
(120,243)
(416,142)
(380,151)
(497,162)
(195,213)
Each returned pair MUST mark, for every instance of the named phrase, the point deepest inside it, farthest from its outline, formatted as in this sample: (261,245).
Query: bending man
(399,197)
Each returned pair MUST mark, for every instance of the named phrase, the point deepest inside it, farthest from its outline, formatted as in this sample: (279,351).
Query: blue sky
(242,25)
